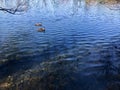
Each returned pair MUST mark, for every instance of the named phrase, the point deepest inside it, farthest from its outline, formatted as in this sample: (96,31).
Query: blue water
(75,31)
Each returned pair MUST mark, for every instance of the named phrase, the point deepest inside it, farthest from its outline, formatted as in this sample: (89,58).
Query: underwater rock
(114,86)
(53,75)
(5,85)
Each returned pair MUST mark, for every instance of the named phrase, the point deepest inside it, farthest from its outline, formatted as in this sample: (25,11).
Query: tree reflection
(14,6)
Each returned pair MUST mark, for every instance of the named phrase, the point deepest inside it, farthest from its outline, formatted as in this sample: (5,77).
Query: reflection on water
(80,48)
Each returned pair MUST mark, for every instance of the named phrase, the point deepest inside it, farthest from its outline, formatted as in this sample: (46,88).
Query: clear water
(85,35)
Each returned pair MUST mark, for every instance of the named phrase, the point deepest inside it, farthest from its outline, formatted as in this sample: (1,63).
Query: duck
(38,24)
(41,29)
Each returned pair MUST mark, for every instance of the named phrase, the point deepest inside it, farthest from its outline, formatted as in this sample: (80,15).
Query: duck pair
(40,29)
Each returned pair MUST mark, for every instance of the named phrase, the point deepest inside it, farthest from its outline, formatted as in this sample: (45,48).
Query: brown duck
(41,29)
(38,24)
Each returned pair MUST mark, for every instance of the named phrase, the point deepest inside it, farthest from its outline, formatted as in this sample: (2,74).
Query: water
(79,49)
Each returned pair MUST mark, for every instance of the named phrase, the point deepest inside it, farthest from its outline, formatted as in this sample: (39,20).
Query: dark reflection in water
(80,49)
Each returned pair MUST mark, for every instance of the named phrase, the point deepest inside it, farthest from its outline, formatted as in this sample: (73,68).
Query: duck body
(38,24)
(41,30)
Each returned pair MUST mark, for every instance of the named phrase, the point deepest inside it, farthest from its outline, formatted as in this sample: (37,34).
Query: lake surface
(80,49)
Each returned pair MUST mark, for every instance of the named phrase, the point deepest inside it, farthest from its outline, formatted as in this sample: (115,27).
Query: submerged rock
(53,75)
(5,85)
(114,86)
